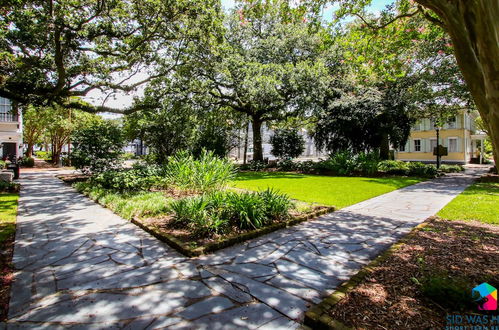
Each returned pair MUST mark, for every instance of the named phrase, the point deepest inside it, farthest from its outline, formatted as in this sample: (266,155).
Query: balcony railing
(8,117)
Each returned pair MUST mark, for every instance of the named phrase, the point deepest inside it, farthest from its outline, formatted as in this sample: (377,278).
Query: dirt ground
(6,274)
(392,296)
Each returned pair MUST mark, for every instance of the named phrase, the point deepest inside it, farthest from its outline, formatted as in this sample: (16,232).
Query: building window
(452,122)
(417,145)
(433,144)
(452,144)
(402,148)
(5,106)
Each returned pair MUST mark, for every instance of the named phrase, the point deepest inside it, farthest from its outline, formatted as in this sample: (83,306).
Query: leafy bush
(216,212)
(308,166)
(341,163)
(98,147)
(45,155)
(136,179)
(287,165)
(451,168)
(207,173)
(277,205)
(9,186)
(420,169)
(2,164)
(27,161)
(367,163)
(254,166)
(395,167)
(287,143)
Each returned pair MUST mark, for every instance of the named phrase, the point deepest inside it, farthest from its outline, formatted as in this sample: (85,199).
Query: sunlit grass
(479,202)
(325,190)
(8,213)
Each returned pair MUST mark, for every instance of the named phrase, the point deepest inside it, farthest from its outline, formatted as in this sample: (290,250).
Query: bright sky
(124,100)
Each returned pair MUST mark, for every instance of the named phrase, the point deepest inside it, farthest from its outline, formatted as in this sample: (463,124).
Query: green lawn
(326,190)
(8,212)
(479,202)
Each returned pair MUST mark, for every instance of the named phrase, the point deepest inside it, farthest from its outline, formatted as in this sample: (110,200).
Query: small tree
(97,147)
(287,143)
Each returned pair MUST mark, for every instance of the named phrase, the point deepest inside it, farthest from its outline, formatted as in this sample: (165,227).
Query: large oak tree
(51,50)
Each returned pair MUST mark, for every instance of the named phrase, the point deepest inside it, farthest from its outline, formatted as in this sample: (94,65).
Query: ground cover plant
(478,202)
(428,277)
(326,190)
(8,212)
(189,200)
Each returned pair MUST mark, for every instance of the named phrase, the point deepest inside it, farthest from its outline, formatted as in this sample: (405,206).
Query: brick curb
(317,317)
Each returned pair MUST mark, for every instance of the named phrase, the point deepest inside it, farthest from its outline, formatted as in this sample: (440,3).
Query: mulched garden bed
(6,274)
(186,243)
(391,295)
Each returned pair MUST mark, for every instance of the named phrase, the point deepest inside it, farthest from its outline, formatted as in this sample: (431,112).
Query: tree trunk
(245,154)
(474,29)
(257,139)
(384,150)
(29,150)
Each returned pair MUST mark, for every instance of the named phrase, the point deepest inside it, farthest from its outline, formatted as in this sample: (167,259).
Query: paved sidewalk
(79,265)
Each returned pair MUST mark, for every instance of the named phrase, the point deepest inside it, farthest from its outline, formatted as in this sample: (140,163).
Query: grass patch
(326,190)
(478,202)
(8,213)
(127,205)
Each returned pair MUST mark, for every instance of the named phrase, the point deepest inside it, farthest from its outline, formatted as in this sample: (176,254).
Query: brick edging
(317,316)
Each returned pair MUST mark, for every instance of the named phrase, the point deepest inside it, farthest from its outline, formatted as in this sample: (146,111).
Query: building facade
(460,136)
(237,153)
(11,130)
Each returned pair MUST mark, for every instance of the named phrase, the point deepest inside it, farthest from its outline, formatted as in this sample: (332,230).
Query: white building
(310,152)
(11,130)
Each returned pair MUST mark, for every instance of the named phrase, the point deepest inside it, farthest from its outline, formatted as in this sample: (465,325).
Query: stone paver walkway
(80,266)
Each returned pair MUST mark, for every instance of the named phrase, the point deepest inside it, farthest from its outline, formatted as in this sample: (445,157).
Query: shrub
(199,214)
(287,143)
(308,166)
(395,167)
(420,169)
(2,164)
(287,165)
(45,155)
(451,168)
(254,166)
(246,210)
(207,173)
(9,186)
(367,163)
(98,147)
(136,179)
(341,163)
(215,212)
(27,161)
(277,205)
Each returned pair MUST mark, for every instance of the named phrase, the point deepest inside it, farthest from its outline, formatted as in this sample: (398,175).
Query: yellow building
(460,136)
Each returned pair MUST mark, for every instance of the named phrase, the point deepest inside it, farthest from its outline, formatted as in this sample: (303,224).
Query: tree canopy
(52,50)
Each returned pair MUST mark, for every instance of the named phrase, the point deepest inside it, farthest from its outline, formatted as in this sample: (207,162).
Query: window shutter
(459,145)
(459,121)
(408,145)
(446,142)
